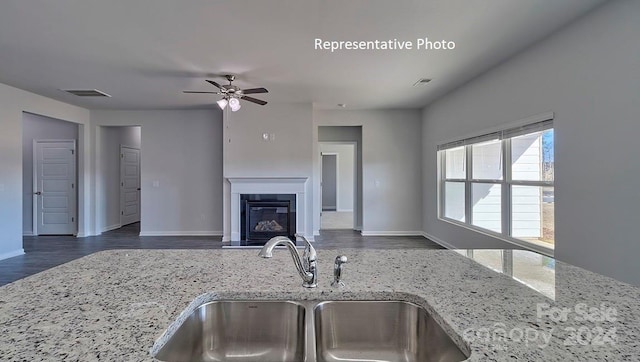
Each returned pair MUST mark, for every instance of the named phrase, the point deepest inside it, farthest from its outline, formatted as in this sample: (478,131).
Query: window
(502,184)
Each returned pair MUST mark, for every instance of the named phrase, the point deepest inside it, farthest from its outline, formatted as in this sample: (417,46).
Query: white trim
(344,210)
(181,233)
(83,235)
(439,241)
(390,233)
(11,254)
(27,233)
(111,227)
(521,243)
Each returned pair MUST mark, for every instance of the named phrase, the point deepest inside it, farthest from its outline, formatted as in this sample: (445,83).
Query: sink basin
(240,331)
(309,331)
(380,331)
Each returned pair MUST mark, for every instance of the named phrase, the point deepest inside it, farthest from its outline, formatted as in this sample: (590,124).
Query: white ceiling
(145,52)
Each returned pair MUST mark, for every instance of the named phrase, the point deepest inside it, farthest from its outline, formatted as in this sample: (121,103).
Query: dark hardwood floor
(44,252)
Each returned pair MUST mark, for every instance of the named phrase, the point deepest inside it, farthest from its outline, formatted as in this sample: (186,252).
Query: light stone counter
(114,305)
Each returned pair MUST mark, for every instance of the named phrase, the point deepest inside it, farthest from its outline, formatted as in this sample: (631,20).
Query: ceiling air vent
(421,81)
(86,92)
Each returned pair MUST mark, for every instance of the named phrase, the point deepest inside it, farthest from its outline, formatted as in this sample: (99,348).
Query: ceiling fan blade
(200,92)
(214,83)
(254,100)
(255,90)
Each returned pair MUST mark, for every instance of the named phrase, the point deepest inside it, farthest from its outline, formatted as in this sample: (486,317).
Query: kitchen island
(114,305)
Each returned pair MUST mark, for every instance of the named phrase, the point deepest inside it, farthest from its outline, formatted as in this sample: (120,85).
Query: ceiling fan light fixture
(234,103)
(222,103)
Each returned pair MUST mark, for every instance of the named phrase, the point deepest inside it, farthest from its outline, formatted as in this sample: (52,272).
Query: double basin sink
(310,331)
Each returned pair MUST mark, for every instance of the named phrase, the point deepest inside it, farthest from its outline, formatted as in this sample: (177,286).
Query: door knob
(37,193)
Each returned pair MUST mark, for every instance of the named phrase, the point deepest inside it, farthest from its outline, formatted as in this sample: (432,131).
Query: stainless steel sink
(310,331)
(380,331)
(240,331)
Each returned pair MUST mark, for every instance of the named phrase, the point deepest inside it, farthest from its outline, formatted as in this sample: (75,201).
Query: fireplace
(266,189)
(263,216)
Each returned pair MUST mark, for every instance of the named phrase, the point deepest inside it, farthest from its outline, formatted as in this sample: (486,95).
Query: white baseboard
(181,233)
(27,233)
(390,233)
(112,227)
(439,241)
(345,210)
(11,254)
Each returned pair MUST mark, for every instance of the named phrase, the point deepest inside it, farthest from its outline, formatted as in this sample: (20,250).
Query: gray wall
(246,154)
(35,127)
(182,155)
(345,134)
(288,154)
(588,75)
(391,163)
(112,138)
(13,102)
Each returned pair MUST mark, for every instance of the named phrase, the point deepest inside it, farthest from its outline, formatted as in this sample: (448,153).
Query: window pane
(454,200)
(455,163)
(532,214)
(487,207)
(532,157)
(487,160)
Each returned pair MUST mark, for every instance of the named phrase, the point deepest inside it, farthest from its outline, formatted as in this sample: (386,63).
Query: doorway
(338,185)
(49,176)
(129,185)
(120,192)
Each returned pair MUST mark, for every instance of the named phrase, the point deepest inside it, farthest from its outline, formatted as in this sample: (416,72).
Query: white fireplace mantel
(267,185)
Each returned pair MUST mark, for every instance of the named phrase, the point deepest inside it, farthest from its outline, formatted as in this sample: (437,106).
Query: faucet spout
(306,266)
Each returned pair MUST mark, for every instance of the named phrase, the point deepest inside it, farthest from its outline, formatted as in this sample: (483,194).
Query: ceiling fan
(232,94)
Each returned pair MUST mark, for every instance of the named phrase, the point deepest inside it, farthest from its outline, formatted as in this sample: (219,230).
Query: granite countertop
(114,305)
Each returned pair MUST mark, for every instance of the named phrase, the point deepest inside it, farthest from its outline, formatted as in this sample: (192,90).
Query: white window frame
(505,134)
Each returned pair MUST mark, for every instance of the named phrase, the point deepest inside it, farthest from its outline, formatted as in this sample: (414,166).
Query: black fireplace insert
(263,216)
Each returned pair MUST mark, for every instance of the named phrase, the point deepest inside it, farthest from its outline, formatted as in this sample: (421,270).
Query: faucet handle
(337,271)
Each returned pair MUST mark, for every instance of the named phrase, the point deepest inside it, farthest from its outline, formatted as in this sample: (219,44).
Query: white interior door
(129,185)
(54,188)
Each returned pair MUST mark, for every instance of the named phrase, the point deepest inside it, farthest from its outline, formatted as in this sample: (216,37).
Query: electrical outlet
(156,183)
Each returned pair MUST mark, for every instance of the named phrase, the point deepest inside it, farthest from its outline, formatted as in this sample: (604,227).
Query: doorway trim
(34,204)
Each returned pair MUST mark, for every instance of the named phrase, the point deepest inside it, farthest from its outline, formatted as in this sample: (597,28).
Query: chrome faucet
(307,267)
